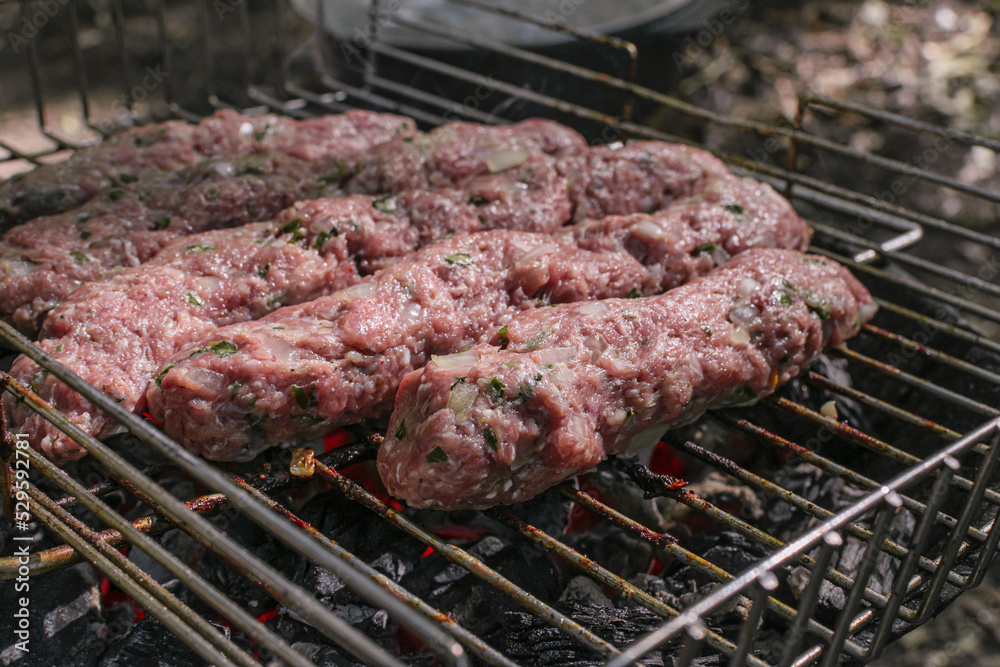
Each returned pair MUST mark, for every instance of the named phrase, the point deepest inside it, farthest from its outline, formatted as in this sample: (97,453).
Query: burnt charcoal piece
(325,656)
(331,591)
(149,642)
(474,604)
(373,541)
(533,642)
(653,586)
(548,512)
(622,553)
(785,522)
(65,623)
(814,397)
(227,579)
(361,532)
(730,551)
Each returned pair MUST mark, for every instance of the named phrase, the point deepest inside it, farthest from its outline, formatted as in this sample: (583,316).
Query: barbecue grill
(900,424)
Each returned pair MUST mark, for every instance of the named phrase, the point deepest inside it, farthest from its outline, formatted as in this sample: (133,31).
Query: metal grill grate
(921,372)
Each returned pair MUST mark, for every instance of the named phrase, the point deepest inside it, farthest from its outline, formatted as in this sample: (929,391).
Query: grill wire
(938,469)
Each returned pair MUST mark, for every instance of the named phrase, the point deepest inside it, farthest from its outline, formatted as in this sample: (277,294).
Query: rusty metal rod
(888,370)
(510,89)
(758,604)
(809,598)
(842,629)
(276,584)
(810,98)
(837,470)
(179,626)
(202,530)
(604,575)
(661,540)
(882,406)
(869,442)
(888,546)
(925,321)
(969,282)
(111,485)
(195,582)
(140,577)
(679,553)
(866,201)
(696,502)
(901,585)
(955,542)
(976,535)
(912,285)
(936,355)
(804,542)
(468,562)
(559,26)
(63,555)
(612,41)
(446,103)
(480,648)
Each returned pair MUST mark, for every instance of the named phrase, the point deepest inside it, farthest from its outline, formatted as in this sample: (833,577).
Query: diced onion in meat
(592,308)
(867,311)
(829,409)
(578,427)
(720,256)
(744,316)
(359,291)
(539,252)
(694,363)
(649,230)
(746,287)
(502,160)
(595,345)
(223,168)
(461,398)
(281,350)
(410,312)
(556,355)
(456,362)
(209,284)
(18,267)
(617,366)
(740,336)
(197,378)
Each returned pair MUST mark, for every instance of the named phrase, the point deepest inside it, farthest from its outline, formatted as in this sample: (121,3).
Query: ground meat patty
(153,150)
(698,233)
(339,359)
(348,352)
(643,176)
(508,171)
(118,332)
(46,259)
(575,383)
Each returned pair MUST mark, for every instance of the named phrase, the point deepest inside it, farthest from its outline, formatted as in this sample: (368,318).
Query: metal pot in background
(358,34)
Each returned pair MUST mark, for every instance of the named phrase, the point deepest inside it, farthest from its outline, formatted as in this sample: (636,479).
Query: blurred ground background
(932,61)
